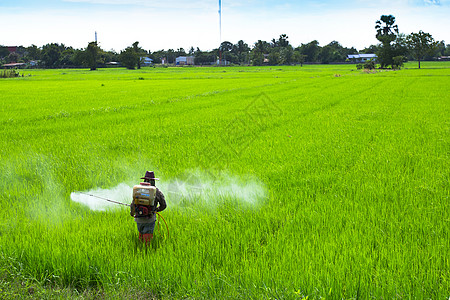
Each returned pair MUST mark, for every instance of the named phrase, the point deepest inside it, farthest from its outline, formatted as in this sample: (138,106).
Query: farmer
(146,223)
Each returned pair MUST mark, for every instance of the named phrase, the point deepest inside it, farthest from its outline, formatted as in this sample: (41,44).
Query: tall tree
(387,32)
(204,58)
(3,51)
(33,52)
(180,52)
(13,57)
(241,49)
(447,50)
(91,55)
(131,56)
(260,48)
(369,50)
(139,53)
(311,50)
(51,55)
(171,56)
(281,52)
(67,57)
(224,48)
(226,54)
(421,44)
(334,52)
(128,58)
(298,57)
(281,42)
(385,26)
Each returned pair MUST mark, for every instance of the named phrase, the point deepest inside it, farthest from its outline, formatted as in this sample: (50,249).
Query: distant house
(14,65)
(113,64)
(184,60)
(360,58)
(222,62)
(444,58)
(146,61)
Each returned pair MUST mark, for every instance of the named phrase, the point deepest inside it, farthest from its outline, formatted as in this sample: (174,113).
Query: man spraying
(147,200)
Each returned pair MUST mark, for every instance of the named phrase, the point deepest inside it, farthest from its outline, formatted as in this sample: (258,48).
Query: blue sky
(159,24)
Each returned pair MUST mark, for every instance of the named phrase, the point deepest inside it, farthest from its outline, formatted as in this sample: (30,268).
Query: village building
(361,58)
(184,60)
(14,65)
(146,61)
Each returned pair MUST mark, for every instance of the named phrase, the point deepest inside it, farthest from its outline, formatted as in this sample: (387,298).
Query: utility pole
(220,31)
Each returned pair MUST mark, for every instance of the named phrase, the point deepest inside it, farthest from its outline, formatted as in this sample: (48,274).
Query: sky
(173,24)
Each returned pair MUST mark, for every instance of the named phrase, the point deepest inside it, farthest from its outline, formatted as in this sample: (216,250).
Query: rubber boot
(148,238)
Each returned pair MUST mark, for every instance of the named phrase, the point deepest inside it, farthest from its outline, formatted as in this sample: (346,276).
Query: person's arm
(161,200)
(132,209)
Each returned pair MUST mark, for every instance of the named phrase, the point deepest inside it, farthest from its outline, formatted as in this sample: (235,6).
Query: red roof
(12,48)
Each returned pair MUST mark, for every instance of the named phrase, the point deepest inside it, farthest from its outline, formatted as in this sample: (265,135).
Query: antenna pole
(220,21)
(220,31)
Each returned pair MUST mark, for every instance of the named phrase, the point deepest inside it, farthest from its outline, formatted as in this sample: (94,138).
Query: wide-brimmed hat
(150,175)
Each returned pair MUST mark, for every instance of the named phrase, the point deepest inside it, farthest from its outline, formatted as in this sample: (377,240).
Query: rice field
(318,182)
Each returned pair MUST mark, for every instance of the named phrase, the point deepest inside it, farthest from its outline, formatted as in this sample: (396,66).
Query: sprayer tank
(144,194)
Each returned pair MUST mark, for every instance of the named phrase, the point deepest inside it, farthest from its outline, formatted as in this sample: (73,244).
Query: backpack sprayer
(143,200)
(144,196)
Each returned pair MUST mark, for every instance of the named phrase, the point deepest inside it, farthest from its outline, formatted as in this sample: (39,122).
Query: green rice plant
(281,183)
(9,73)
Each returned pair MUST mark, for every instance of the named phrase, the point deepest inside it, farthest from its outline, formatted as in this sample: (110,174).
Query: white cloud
(159,4)
(433,2)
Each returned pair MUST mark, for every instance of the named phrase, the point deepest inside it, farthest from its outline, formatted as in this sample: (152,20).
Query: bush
(9,73)
(369,65)
(398,62)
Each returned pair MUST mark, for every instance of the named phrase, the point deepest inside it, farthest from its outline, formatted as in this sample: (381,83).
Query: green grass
(354,166)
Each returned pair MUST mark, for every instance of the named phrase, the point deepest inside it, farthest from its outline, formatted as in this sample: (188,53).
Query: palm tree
(388,29)
(387,32)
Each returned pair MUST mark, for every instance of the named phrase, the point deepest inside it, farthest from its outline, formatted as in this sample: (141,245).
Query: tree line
(393,49)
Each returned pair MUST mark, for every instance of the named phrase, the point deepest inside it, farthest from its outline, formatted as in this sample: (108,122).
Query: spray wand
(116,202)
(105,199)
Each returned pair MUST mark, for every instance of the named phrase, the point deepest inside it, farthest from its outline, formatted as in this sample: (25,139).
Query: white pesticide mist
(211,192)
(121,193)
(196,188)
(201,188)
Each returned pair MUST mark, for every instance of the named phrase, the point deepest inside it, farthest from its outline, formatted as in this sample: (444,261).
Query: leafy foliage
(392,43)
(398,61)
(278,51)
(129,58)
(9,73)
(91,57)
(368,65)
(421,44)
(386,27)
